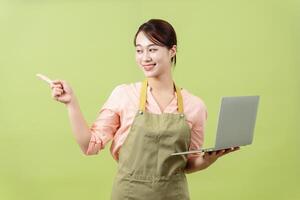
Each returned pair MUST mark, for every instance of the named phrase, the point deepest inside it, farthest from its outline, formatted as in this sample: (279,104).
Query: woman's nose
(146,56)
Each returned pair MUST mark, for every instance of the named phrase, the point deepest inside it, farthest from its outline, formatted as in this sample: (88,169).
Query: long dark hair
(160,32)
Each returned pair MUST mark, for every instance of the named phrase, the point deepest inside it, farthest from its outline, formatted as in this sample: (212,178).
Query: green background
(225,48)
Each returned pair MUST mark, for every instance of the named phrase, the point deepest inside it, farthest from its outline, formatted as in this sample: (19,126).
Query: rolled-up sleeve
(106,124)
(198,129)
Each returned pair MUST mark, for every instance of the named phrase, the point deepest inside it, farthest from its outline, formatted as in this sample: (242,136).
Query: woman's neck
(161,84)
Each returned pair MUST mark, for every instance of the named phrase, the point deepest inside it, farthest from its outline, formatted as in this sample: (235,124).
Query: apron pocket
(172,189)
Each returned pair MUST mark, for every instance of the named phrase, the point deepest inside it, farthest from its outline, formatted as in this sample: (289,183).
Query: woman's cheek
(138,60)
(155,58)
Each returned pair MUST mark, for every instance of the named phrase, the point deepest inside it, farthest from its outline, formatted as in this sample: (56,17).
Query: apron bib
(146,169)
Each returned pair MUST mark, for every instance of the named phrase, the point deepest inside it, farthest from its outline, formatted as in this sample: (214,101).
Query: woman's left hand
(210,157)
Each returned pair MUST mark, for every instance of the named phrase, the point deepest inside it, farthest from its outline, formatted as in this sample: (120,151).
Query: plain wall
(225,48)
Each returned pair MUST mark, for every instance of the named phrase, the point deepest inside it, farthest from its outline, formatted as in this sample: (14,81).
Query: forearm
(79,126)
(196,164)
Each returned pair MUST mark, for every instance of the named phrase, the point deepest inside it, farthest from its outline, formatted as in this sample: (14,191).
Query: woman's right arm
(90,139)
(62,92)
(79,126)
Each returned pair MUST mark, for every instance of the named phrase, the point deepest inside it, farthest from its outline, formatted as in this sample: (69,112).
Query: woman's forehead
(142,40)
(149,45)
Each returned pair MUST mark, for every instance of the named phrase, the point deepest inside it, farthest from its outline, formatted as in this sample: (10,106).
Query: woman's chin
(150,74)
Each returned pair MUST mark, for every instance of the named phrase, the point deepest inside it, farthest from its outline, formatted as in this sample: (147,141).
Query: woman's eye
(152,50)
(138,51)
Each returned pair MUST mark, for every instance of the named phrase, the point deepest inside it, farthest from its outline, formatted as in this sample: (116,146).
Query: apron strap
(143,97)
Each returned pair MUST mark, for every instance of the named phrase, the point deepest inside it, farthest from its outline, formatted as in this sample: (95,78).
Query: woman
(147,122)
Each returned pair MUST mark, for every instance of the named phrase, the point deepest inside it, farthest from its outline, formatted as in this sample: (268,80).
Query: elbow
(91,149)
(86,153)
(86,149)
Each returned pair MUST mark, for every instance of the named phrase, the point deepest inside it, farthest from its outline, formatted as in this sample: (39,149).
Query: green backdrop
(225,48)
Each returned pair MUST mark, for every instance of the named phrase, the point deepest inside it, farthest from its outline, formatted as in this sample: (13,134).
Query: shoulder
(127,87)
(121,96)
(126,91)
(192,100)
(119,88)
(194,106)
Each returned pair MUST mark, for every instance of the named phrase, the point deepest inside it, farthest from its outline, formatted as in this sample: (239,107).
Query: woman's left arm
(205,160)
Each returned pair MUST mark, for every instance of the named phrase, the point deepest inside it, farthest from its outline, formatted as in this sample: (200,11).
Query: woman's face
(154,60)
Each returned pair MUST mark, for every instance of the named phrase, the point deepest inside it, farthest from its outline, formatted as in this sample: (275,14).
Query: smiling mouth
(149,67)
(150,64)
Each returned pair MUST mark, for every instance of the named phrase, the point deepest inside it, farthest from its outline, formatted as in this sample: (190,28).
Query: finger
(231,150)
(196,154)
(57,81)
(221,152)
(235,149)
(58,90)
(227,152)
(56,86)
(56,93)
(206,154)
(210,154)
(44,78)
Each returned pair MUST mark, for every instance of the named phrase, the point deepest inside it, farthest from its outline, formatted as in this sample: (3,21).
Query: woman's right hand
(62,91)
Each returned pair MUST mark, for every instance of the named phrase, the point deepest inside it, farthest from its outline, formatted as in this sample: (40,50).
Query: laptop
(237,117)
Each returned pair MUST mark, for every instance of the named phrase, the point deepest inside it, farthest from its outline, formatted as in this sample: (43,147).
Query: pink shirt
(117,114)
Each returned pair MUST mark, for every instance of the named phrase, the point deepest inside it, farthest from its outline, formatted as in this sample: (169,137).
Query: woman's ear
(173,51)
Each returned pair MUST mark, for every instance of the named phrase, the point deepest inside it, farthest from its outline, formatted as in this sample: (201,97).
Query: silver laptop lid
(236,124)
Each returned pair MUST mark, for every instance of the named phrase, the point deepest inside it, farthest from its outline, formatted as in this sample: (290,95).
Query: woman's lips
(149,67)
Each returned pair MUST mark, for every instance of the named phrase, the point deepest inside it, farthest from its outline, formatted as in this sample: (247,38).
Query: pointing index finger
(44,78)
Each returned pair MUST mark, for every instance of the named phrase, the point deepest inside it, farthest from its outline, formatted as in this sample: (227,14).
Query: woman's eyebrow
(146,46)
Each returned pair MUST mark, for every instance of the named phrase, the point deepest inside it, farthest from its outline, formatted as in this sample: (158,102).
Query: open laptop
(236,124)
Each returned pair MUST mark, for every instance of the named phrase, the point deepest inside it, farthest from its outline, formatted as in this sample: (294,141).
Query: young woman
(147,121)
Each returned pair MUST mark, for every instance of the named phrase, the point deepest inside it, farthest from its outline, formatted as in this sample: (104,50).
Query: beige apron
(146,170)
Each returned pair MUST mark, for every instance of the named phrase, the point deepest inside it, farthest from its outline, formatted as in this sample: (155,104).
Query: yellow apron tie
(143,97)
